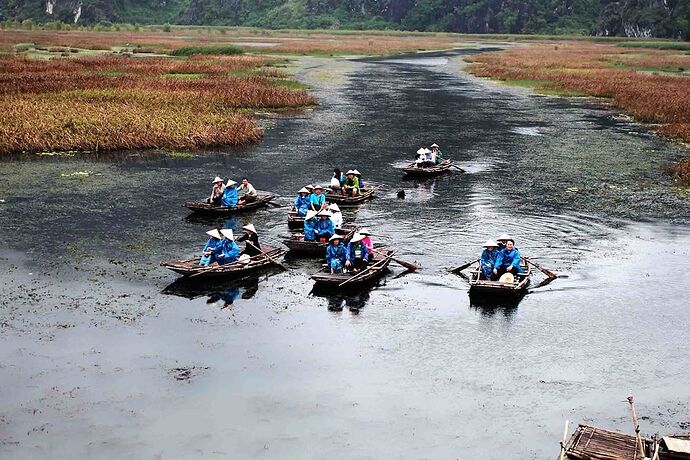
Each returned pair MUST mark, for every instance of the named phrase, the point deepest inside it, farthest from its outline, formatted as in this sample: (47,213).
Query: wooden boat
(486,288)
(413,170)
(191,267)
(378,267)
(294,221)
(592,443)
(298,246)
(201,207)
(344,200)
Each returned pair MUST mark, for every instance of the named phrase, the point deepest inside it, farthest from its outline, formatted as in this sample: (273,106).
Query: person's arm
(499,261)
(242,238)
(516,260)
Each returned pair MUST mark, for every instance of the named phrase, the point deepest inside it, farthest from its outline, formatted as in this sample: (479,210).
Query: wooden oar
(362,273)
(409,265)
(275,205)
(548,273)
(457,270)
(203,272)
(457,167)
(267,256)
(565,440)
(636,426)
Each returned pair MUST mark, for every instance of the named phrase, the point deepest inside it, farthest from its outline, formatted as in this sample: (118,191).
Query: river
(97,361)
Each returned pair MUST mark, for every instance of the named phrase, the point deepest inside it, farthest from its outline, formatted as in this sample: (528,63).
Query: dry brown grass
(114,103)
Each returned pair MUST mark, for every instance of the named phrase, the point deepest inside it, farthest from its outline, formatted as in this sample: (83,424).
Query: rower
(357,253)
(337,180)
(351,184)
(252,247)
(302,202)
(216,192)
(230,194)
(324,228)
(368,242)
(310,221)
(337,216)
(507,260)
(336,254)
(249,191)
(437,154)
(318,199)
(488,259)
(215,240)
(228,251)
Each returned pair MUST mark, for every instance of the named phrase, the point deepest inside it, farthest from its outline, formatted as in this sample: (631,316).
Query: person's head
(490,245)
(217,182)
(214,234)
(310,215)
(231,183)
(318,189)
(249,229)
(303,192)
(510,244)
(336,172)
(350,174)
(245,181)
(335,241)
(434,147)
(325,214)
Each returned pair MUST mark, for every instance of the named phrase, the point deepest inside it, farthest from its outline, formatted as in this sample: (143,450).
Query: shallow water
(97,360)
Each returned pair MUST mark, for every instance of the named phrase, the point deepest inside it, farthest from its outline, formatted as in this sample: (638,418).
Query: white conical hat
(356,173)
(310,186)
(364,231)
(357,237)
(326,213)
(230,183)
(217,179)
(227,233)
(310,214)
(420,151)
(505,237)
(349,172)
(214,233)
(489,243)
(303,190)
(250,227)
(434,145)
(334,207)
(335,237)
(507,278)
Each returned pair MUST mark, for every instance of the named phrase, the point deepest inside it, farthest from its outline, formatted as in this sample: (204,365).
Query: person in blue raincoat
(324,228)
(336,254)
(488,259)
(230,194)
(317,199)
(357,257)
(228,251)
(215,240)
(310,221)
(507,260)
(302,202)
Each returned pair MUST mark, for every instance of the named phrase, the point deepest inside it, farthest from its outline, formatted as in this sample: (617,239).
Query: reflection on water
(224,292)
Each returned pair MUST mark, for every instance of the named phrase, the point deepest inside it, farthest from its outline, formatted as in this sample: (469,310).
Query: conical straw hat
(303,190)
(214,233)
(310,214)
(335,237)
(357,237)
(250,227)
(227,233)
(507,278)
(217,179)
(230,183)
(326,213)
(334,207)
(489,243)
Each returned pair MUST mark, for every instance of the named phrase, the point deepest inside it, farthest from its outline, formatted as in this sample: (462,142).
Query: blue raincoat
(506,259)
(487,261)
(309,227)
(335,257)
(302,205)
(324,227)
(211,244)
(357,251)
(317,200)
(227,252)
(230,196)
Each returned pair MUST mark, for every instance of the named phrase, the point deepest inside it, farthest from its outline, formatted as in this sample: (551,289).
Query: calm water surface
(98,359)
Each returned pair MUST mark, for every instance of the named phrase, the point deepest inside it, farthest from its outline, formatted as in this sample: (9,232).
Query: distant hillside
(635,18)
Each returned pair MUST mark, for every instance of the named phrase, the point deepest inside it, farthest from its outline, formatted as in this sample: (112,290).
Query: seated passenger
(215,240)
(302,202)
(507,260)
(310,226)
(351,184)
(357,253)
(368,242)
(252,246)
(230,194)
(317,199)
(324,228)
(227,252)
(502,241)
(337,216)
(249,192)
(358,175)
(216,192)
(488,259)
(437,154)
(335,254)
(337,180)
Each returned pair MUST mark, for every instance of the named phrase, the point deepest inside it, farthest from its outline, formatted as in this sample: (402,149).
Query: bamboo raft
(201,207)
(294,221)
(298,246)
(488,288)
(191,268)
(412,170)
(592,443)
(378,267)
(345,200)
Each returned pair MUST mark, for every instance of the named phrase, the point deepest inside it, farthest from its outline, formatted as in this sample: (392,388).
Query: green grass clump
(657,45)
(225,50)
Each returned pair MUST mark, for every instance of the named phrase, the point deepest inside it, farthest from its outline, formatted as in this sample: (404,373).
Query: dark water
(99,359)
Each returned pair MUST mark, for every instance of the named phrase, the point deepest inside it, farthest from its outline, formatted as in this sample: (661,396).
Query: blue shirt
(317,200)
(229,196)
(506,259)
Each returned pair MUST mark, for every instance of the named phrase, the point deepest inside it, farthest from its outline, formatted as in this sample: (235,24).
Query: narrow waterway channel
(97,361)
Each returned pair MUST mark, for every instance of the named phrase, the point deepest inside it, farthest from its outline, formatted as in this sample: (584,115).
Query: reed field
(111,102)
(652,85)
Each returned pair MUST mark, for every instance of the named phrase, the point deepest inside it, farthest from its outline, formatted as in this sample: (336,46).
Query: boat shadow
(354,299)
(490,305)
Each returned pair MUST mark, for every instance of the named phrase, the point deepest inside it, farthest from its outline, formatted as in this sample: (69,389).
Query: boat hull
(413,171)
(201,207)
(190,267)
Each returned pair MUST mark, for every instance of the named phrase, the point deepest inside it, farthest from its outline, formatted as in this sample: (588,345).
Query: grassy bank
(651,84)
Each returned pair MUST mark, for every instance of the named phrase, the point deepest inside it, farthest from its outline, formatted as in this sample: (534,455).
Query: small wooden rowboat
(412,170)
(487,288)
(298,246)
(593,443)
(378,267)
(191,267)
(201,207)
(345,200)
(294,221)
